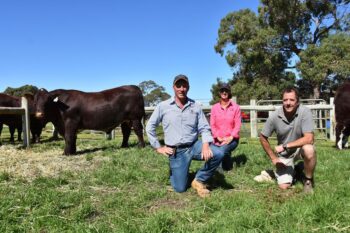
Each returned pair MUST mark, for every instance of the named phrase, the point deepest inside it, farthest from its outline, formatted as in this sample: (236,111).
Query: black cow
(342,115)
(15,121)
(72,110)
(12,121)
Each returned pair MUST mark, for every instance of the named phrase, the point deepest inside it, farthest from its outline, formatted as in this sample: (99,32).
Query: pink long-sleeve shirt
(225,122)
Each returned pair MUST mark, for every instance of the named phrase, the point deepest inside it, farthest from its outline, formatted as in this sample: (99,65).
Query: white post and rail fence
(253,109)
(327,116)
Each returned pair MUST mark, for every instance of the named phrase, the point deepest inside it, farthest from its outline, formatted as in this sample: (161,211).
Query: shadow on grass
(239,160)
(51,139)
(110,147)
(218,181)
(87,151)
(299,173)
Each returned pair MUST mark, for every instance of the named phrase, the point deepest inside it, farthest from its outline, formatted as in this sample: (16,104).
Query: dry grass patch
(28,165)
(168,203)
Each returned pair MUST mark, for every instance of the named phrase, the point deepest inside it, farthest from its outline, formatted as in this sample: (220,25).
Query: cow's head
(42,101)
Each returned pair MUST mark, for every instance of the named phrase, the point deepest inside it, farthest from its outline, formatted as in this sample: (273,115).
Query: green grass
(128,191)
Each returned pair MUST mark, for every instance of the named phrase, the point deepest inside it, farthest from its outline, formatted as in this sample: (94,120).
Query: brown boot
(200,188)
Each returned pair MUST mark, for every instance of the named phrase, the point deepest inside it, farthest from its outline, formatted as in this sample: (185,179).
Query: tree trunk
(316,92)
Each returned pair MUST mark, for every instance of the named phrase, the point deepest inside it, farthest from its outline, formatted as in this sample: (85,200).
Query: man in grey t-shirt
(293,125)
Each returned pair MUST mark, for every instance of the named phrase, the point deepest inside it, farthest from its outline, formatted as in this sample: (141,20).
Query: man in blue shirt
(183,121)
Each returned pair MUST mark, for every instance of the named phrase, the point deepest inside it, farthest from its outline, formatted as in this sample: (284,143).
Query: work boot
(200,188)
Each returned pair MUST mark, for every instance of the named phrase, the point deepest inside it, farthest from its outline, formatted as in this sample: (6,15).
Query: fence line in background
(24,111)
(254,109)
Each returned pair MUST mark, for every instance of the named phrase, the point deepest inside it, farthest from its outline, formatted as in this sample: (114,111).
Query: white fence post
(25,122)
(253,120)
(111,135)
(332,120)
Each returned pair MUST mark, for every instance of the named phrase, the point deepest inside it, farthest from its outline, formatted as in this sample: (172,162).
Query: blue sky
(92,45)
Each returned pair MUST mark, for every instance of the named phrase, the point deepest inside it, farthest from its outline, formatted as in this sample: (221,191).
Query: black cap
(180,77)
(224,86)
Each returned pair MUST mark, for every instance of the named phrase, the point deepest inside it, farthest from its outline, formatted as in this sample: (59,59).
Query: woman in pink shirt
(225,123)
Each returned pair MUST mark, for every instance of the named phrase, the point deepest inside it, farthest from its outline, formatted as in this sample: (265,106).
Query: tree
(263,48)
(256,58)
(153,93)
(327,64)
(20,91)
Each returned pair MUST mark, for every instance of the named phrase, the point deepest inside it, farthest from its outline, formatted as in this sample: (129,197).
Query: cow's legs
(1,125)
(138,128)
(126,130)
(346,133)
(12,132)
(19,132)
(339,135)
(70,138)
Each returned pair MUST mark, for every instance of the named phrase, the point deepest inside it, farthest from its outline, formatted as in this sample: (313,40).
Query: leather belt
(181,146)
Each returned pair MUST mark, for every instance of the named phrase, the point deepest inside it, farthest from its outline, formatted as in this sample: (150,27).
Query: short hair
(291,89)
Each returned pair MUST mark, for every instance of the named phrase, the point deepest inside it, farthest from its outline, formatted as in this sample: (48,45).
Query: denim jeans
(226,150)
(181,161)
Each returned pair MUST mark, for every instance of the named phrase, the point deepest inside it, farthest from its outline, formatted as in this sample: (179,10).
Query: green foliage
(262,48)
(153,93)
(327,63)
(20,91)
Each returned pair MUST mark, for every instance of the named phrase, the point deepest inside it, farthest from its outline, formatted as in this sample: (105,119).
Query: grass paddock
(109,189)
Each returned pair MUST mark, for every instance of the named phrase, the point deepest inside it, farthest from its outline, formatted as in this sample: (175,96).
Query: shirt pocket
(190,120)
(168,118)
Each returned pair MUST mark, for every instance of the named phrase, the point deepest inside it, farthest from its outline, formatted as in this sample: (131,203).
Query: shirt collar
(229,104)
(188,103)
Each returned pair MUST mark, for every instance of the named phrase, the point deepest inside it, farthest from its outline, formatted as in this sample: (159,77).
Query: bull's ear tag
(55,99)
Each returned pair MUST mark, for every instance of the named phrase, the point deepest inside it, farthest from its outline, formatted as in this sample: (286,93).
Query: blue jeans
(181,161)
(226,163)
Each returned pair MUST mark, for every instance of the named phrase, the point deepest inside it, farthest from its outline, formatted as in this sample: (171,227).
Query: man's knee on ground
(308,151)
(180,189)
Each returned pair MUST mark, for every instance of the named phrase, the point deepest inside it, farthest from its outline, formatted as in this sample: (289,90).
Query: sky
(92,45)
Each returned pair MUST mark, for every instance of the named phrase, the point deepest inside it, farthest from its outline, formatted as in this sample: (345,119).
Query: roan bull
(73,110)
(342,115)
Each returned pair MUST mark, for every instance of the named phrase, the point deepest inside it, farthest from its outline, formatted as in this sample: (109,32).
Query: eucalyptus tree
(263,49)
(153,93)
(19,91)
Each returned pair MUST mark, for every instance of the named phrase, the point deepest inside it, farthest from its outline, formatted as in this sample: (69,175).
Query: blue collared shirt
(180,126)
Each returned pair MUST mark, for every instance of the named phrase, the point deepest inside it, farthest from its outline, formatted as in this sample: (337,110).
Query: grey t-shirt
(288,131)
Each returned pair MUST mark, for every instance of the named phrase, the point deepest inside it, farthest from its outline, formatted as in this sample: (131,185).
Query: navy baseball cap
(224,86)
(180,77)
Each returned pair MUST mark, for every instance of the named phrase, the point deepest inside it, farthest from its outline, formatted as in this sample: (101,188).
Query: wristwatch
(284,145)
